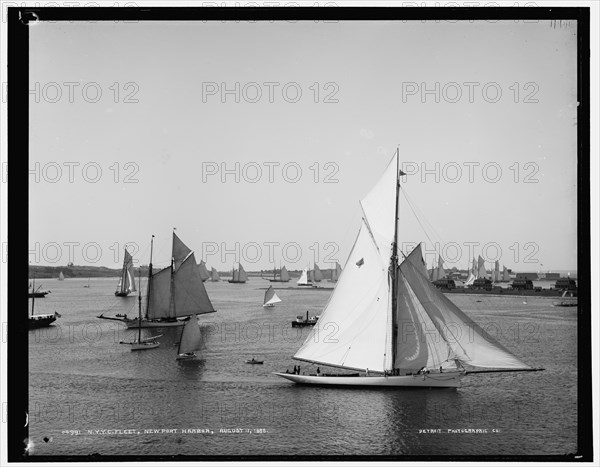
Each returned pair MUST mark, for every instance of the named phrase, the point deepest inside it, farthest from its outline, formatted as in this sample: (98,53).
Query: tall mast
(139,305)
(172,290)
(394,264)
(149,276)
(33,296)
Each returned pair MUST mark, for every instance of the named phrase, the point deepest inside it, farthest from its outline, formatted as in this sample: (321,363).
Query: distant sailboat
(61,276)
(496,272)
(439,272)
(239,276)
(204,274)
(505,275)
(335,273)
(303,281)
(271,297)
(376,300)
(190,341)
(481,272)
(214,275)
(126,283)
(283,275)
(472,274)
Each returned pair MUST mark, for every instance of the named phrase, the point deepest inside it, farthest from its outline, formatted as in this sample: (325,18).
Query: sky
(256,141)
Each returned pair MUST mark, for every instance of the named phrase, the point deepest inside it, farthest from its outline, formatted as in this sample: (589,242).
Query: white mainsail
(472,274)
(379,210)
(356,329)
(191,338)
(303,278)
(351,332)
(271,297)
(505,275)
(127,281)
(61,276)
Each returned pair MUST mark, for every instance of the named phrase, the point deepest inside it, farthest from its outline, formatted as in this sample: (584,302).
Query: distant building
(552,276)
(566,283)
(445,284)
(522,284)
(532,276)
(482,283)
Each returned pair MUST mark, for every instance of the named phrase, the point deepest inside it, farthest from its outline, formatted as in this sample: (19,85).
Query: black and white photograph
(305,232)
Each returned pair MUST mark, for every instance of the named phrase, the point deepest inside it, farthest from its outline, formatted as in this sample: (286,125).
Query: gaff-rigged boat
(126,282)
(390,321)
(271,297)
(239,276)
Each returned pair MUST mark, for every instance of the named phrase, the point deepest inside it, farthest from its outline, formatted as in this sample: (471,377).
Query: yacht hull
(450,379)
(133,324)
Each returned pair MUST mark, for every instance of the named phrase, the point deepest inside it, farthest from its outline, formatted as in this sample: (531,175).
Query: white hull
(133,323)
(450,379)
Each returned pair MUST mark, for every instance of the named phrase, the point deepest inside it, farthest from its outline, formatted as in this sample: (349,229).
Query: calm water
(82,379)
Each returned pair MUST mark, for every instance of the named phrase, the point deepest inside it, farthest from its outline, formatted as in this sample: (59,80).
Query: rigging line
(419,213)
(419,220)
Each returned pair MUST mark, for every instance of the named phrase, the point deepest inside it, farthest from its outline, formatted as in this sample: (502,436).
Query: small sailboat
(126,283)
(472,274)
(87,286)
(190,341)
(284,276)
(335,273)
(214,275)
(139,343)
(303,281)
(271,297)
(204,274)
(239,276)
(378,299)
(43,320)
(61,276)
(496,272)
